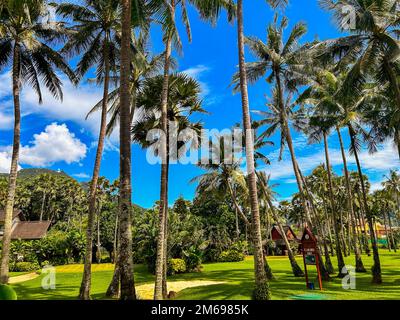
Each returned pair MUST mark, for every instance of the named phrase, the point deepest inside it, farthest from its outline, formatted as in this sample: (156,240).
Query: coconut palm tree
(95,35)
(264,185)
(26,35)
(224,176)
(322,95)
(124,264)
(144,65)
(183,102)
(351,117)
(371,47)
(209,10)
(284,61)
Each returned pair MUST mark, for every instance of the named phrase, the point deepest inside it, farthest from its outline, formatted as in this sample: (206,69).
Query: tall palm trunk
(42,207)
(165,264)
(161,240)
(328,225)
(363,224)
(84,293)
(115,242)
(359,263)
(12,181)
(125,218)
(324,270)
(391,233)
(376,269)
(261,291)
(98,244)
(339,252)
(386,229)
(297,272)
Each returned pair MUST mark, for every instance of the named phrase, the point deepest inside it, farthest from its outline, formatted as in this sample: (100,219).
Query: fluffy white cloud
(5,162)
(6,121)
(56,143)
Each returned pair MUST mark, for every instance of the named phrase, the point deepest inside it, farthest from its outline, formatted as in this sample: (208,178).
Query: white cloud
(81,175)
(6,121)
(5,162)
(77,102)
(55,144)
(197,72)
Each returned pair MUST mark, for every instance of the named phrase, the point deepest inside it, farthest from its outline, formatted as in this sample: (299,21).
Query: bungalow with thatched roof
(24,230)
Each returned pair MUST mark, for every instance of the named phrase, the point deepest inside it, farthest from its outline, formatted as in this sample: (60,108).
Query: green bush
(60,248)
(231,256)
(236,252)
(193,260)
(7,293)
(25,266)
(176,266)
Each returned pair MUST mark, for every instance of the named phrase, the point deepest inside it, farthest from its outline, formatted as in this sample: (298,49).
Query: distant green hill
(27,173)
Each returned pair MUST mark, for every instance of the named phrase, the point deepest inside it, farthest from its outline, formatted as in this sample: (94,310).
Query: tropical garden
(219,244)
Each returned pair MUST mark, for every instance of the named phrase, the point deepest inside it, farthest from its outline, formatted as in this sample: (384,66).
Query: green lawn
(238,278)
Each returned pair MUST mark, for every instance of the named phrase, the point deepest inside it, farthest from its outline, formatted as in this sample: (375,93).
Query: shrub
(25,266)
(231,256)
(176,266)
(192,257)
(7,293)
(61,248)
(235,253)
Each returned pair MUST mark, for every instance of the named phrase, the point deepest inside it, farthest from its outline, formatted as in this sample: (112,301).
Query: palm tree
(355,128)
(285,61)
(183,102)
(94,32)
(26,33)
(124,265)
(264,183)
(209,10)
(223,177)
(323,95)
(144,65)
(371,44)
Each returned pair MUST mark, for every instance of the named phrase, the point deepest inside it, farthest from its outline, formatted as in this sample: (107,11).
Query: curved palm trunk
(12,181)
(84,293)
(386,229)
(328,226)
(297,272)
(363,224)
(125,219)
(376,269)
(161,240)
(324,270)
(339,253)
(42,207)
(359,262)
(261,291)
(391,233)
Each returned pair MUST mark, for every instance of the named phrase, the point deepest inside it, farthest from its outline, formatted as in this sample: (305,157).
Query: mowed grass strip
(237,282)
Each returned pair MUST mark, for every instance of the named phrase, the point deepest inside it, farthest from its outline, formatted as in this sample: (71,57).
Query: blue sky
(55,135)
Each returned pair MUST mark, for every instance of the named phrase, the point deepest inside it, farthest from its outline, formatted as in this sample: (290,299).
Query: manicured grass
(238,278)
